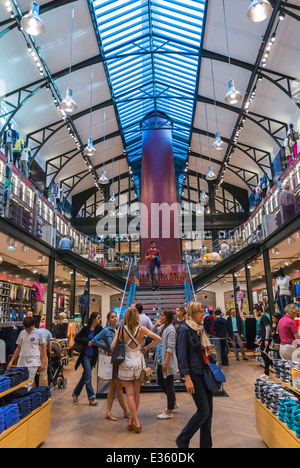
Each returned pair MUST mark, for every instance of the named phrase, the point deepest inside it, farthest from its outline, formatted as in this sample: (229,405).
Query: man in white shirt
(144,319)
(31,350)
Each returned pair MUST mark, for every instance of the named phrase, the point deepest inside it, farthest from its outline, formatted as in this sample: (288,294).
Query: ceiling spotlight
(103,179)
(233,96)
(259,10)
(204,199)
(112,200)
(211,175)
(90,150)
(281,16)
(1,260)
(218,143)
(68,104)
(120,214)
(32,23)
(277,252)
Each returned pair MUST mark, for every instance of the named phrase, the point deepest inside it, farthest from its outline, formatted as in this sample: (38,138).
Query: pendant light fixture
(113,201)
(120,214)
(31,23)
(204,198)
(259,10)
(233,96)
(103,179)
(68,104)
(90,150)
(211,175)
(218,143)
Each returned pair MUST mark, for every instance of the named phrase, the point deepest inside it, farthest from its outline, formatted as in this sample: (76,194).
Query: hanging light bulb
(204,199)
(32,23)
(211,175)
(90,150)
(120,214)
(218,143)
(233,96)
(103,179)
(113,201)
(259,10)
(68,104)
(200,210)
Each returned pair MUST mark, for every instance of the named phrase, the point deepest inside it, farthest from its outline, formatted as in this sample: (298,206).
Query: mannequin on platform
(293,137)
(9,141)
(17,151)
(288,152)
(38,298)
(54,193)
(239,300)
(24,162)
(284,289)
(264,186)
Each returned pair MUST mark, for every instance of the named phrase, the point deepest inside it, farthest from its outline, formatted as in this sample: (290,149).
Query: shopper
(180,318)
(43,374)
(220,329)
(166,361)
(38,291)
(236,333)
(131,369)
(104,340)
(65,244)
(87,358)
(145,320)
(29,343)
(265,332)
(288,332)
(153,258)
(84,304)
(209,323)
(191,366)
(275,328)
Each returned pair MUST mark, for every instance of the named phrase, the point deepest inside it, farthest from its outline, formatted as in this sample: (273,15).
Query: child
(28,350)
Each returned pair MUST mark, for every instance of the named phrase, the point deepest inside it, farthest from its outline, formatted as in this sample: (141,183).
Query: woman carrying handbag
(131,368)
(104,340)
(87,358)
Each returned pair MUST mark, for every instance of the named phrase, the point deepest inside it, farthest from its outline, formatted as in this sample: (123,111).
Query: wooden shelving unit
(31,431)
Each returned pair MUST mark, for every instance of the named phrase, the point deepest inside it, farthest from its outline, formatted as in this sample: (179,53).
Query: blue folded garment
(5,384)
(24,404)
(11,414)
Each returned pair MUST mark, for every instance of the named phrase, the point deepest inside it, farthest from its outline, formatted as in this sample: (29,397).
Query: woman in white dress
(130,370)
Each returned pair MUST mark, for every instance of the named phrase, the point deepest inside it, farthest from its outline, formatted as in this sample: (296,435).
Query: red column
(157,188)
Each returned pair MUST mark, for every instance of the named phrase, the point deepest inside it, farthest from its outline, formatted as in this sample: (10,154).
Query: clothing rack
(11,324)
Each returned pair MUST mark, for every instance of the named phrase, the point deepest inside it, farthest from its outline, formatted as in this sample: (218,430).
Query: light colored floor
(82,426)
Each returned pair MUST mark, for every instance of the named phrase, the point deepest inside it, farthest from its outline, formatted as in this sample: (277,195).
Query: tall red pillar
(158,188)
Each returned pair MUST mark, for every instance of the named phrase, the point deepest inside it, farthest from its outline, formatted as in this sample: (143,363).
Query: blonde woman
(130,370)
(190,362)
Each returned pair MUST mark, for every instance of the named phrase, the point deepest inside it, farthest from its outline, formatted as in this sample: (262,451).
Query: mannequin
(284,288)
(257,195)
(9,140)
(38,298)
(84,300)
(54,193)
(293,137)
(264,186)
(239,300)
(24,161)
(17,151)
(288,152)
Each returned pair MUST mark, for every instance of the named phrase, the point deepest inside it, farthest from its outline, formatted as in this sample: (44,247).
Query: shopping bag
(105,367)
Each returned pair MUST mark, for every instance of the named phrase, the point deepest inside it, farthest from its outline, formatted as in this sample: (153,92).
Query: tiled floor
(82,426)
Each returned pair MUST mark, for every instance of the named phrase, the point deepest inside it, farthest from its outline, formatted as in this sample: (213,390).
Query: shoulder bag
(118,354)
(213,375)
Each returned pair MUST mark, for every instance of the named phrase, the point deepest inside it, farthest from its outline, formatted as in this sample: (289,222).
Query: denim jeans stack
(24,405)
(2,422)
(11,415)
(43,394)
(5,384)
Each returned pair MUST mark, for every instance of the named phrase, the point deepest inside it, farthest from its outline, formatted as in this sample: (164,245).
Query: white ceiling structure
(31,106)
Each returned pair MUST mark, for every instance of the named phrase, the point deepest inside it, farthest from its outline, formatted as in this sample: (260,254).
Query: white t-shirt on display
(30,348)
(25,154)
(284,285)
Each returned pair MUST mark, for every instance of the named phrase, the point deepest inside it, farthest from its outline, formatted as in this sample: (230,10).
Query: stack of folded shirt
(5,384)
(11,415)
(24,405)
(35,400)
(2,421)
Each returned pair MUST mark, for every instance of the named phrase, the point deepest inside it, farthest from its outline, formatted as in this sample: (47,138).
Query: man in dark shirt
(220,329)
(84,300)
(151,254)
(265,337)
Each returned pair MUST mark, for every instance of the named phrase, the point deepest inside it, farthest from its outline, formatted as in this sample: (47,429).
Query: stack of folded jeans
(40,394)
(2,421)
(35,400)
(17,375)
(11,414)
(24,405)
(5,384)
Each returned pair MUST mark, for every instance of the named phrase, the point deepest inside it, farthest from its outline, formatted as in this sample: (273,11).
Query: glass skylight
(152,50)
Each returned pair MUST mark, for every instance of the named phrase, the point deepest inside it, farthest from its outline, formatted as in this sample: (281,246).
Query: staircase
(166,297)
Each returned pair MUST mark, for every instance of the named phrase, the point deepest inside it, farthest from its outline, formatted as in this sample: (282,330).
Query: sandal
(136,429)
(110,417)
(130,427)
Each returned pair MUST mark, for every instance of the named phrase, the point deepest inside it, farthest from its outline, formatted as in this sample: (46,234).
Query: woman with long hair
(191,359)
(104,340)
(131,369)
(88,357)
(166,360)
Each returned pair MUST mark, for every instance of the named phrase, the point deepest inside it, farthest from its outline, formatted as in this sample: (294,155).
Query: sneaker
(165,416)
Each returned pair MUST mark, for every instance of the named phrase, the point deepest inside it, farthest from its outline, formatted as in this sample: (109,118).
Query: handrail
(125,289)
(190,278)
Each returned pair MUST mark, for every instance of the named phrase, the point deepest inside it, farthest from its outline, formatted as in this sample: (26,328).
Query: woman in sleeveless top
(130,370)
